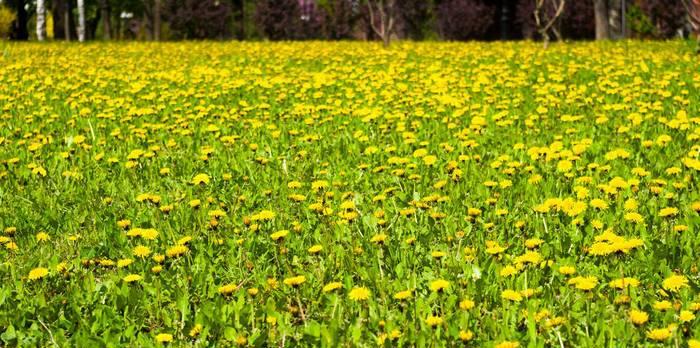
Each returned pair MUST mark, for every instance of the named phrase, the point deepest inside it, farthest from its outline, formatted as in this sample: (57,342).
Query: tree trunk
(106,19)
(156,20)
(239,18)
(692,8)
(91,26)
(41,20)
(81,20)
(384,17)
(602,22)
(19,25)
(57,13)
(118,29)
(505,19)
(67,21)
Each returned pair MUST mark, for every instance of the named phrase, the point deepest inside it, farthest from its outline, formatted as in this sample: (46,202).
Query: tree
(63,24)
(7,17)
(156,20)
(81,20)
(464,19)
(41,20)
(415,16)
(667,17)
(199,19)
(291,19)
(602,21)
(239,18)
(382,17)
(340,19)
(692,9)
(106,11)
(18,28)
(544,22)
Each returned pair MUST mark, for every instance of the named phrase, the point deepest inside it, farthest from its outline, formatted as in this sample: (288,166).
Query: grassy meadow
(343,194)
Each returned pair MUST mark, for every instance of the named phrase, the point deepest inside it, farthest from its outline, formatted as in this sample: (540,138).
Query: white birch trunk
(41,20)
(81,20)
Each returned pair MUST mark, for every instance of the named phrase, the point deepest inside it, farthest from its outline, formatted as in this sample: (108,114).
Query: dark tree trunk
(19,25)
(118,29)
(92,25)
(68,22)
(156,20)
(239,18)
(106,19)
(505,19)
(602,21)
(58,13)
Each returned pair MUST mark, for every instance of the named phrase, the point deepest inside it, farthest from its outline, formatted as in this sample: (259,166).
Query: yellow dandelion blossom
(433,320)
(403,295)
(638,317)
(132,278)
(279,235)
(200,179)
(332,286)
(359,294)
(38,273)
(661,334)
(227,289)
(675,283)
(176,251)
(295,281)
(511,295)
(141,251)
(164,338)
(439,285)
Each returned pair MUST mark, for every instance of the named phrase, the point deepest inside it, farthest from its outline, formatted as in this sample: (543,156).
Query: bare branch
(371,19)
(556,15)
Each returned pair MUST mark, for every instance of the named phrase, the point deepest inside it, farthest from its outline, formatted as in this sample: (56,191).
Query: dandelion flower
(433,320)
(508,344)
(511,295)
(295,281)
(164,338)
(315,249)
(466,335)
(686,316)
(661,334)
(466,304)
(675,283)
(176,251)
(638,317)
(227,289)
(132,278)
(38,273)
(439,285)
(403,295)
(200,179)
(279,235)
(141,251)
(359,294)
(332,286)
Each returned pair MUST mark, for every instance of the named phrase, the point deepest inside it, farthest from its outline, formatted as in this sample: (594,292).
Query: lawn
(343,194)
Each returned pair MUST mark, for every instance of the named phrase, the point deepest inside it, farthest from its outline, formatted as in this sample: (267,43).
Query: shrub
(667,17)
(464,19)
(199,19)
(289,19)
(6,18)
(576,22)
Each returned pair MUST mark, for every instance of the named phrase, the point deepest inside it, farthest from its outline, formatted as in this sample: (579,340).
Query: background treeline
(342,19)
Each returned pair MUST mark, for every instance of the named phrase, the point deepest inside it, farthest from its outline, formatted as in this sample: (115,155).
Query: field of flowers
(342,194)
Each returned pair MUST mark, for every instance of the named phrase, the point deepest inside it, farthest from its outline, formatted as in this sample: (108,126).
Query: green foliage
(638,22)
(6,18)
